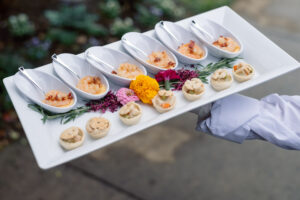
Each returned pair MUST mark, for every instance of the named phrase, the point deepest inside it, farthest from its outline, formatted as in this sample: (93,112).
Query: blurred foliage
(197,6)
(149,12)
(37,49)
(19,25)
(120,27)
(76,17)
(110,8)
(148,17)
(9,63)
(62,36)
(170,8)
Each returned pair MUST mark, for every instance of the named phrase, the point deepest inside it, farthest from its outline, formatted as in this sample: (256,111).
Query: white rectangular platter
(267,58)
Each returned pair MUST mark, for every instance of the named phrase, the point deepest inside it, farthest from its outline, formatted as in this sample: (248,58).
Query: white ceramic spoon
(174,35)
(209,31)
(29,80)
(106,60)
(148,45)
(80,68)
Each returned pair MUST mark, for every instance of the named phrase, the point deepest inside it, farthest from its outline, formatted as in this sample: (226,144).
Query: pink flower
(167,75)
(125,95)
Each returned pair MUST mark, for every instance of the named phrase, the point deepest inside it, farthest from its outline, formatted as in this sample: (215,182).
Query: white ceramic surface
(215,30)
(183,35)
(114,58)
(82,68)
(47,82)
(148,45)
(267,58)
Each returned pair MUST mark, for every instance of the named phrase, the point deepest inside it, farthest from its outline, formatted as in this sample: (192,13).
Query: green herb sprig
(64,117)
(205,71)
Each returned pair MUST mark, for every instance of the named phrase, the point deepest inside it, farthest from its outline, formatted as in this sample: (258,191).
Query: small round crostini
(221,79)
(243,72)
(71,138)
(97,127)
(130,113)
(193,89)
(164,101)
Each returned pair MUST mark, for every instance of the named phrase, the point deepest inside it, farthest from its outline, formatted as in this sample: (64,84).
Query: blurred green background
(31,31)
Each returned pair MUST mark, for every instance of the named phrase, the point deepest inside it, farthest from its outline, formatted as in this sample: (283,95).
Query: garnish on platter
(175,79)
(161,59)
(127,70)
(97,127)
(227,44)
(193,89)
(125,95)
(221,79)
(71,138)
(191,50)
(166,77)
(130,113)
(91,84)
(109,102)
(145,88)
(243,72)
(164,101)
(58,99)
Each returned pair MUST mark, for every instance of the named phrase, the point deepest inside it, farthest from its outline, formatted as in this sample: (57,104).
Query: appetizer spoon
(135,47)
(24,73)
(149,45)
(208,31)
(202,30)
(115,58)
(96,59)
(173,36)
(56,59)
(169,32)
(28,80)
(81,67)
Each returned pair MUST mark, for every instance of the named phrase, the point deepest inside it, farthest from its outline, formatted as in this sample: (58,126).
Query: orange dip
(91,84)
(58,99)
(191,50)
(227,44)
(161,59)
(128,70)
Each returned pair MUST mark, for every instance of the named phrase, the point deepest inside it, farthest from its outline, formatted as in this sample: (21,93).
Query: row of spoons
(100,60)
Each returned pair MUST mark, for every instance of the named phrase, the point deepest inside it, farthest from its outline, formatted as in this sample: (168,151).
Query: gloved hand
(237,118)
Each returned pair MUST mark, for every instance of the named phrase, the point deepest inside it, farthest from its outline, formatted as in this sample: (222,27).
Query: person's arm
(237,118)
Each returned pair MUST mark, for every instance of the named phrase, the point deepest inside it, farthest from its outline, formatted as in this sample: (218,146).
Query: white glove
(236,118)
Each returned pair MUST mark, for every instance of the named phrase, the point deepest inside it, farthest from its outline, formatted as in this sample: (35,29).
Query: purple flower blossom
(184,75)
(109,102)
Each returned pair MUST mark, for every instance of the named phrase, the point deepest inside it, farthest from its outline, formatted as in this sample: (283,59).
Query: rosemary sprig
(64,117)
(205,71)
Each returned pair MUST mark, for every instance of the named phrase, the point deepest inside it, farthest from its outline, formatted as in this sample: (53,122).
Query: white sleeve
(275,119)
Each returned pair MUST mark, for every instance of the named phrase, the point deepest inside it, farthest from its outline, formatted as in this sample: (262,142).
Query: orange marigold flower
(145,88)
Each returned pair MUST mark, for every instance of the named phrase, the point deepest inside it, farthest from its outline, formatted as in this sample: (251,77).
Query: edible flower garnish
(175,79)
(109,102)
(125,95)
(145,88)
(166,77)
(184,75)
